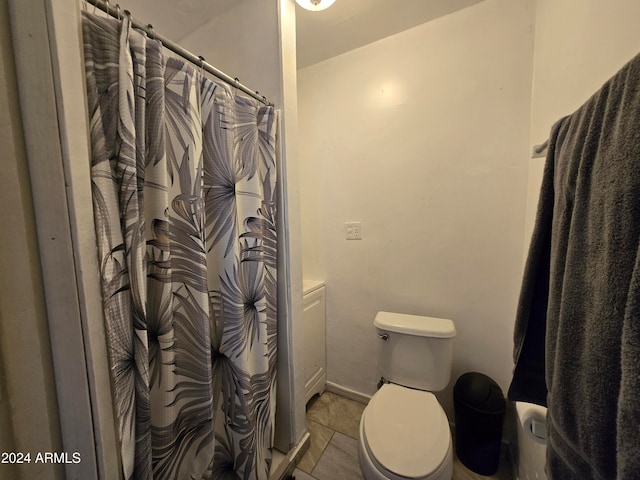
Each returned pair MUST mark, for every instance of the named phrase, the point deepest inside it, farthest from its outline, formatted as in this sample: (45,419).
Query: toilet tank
(415,351)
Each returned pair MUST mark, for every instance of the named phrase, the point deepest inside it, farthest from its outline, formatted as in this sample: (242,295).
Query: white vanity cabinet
(315,360)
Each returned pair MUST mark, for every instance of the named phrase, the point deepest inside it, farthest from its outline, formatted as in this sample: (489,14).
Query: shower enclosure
(47,50)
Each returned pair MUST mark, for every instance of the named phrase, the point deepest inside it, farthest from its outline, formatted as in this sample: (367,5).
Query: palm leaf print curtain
(183,179)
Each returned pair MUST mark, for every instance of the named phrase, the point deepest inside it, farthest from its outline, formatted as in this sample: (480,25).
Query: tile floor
(333,422)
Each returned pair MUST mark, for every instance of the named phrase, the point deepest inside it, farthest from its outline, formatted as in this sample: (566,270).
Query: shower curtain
(183,179)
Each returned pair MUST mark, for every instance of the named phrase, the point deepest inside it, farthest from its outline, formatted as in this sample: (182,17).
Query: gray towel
(528,384)
(589,244)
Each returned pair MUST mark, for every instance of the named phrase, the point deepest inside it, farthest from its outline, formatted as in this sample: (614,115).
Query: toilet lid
(406,430)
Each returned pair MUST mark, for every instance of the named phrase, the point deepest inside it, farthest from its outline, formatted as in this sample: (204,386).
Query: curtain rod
(175,48)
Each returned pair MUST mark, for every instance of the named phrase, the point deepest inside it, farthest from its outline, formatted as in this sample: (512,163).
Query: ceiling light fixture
(315,5)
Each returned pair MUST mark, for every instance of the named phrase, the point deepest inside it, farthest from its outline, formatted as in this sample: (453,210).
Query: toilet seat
(406,433)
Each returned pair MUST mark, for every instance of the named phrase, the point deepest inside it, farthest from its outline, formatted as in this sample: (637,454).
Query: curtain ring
(127,24)
(150,31)
(128,14)
(106,2)
(118,11)
(95,4)
(201,58)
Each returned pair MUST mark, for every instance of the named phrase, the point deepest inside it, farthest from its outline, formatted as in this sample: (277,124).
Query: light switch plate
(353,230)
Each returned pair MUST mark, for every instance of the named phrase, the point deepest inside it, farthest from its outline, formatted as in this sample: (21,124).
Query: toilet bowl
(404,434)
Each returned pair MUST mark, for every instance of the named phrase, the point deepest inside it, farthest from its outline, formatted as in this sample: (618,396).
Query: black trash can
(479,407)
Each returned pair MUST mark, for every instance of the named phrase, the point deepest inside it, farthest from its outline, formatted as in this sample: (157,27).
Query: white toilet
(404,432)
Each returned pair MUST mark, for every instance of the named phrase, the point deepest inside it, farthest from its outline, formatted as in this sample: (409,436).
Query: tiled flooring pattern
(333,422)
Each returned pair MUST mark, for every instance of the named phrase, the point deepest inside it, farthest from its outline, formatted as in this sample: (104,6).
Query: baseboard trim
(348,393)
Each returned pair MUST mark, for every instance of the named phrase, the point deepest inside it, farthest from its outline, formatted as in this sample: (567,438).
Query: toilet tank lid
(415,325)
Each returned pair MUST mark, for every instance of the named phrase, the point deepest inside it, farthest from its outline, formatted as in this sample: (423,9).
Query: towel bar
(540,150)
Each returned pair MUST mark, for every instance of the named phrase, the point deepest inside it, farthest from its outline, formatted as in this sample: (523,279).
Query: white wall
(579,44)
(422,136)
(28,408)
(242,41)
(51,282)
